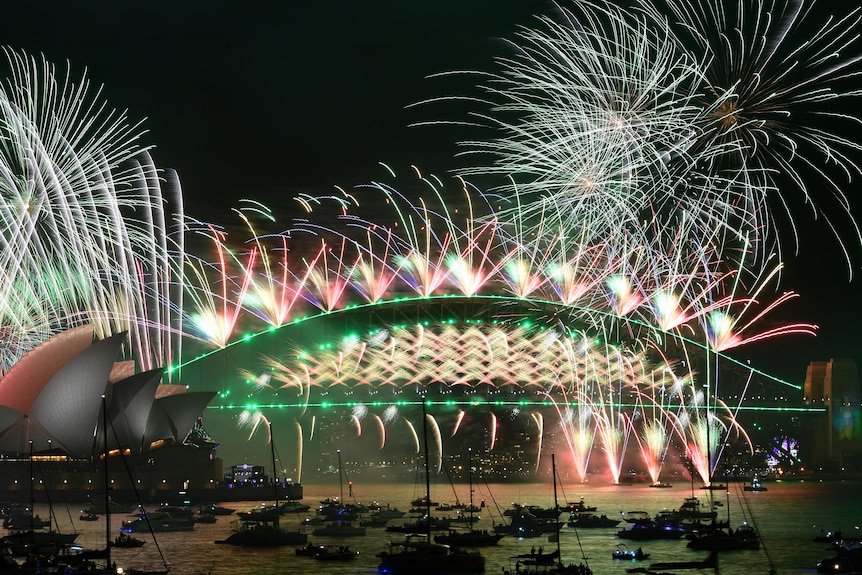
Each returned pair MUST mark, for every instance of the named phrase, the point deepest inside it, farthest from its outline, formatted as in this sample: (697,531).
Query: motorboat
(89,517)
(755,485)
(159,521)
(645,530)
(268,514)
(472,538)
(416,555)
(25,520)
(692,508)
(845,561)
(710,562)
(744,537)
(580,507)
(214,509)
(339,529)
(422,525)
(335,553)
(524,525)
(262,534)
(308,550)
(828,537)
(388,513)
(22,543)
(535,511)
(125,540)
(591,521)
(624,553)
(634,516)
(374,521)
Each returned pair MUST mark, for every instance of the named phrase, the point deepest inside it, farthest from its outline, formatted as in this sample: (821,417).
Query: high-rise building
(835,437)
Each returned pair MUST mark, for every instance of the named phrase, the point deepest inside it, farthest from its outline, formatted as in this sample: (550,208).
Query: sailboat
(549,563)
(473,537)
(418,555)
(744,537)
(265,533)
(25,538)
(339,527)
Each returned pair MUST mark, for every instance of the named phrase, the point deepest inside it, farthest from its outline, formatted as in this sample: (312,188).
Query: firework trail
(87,236)
(775,78)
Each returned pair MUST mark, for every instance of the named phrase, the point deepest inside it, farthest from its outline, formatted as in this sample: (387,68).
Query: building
(834,440)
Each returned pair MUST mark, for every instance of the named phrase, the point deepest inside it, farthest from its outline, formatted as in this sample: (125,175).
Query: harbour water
(788,516)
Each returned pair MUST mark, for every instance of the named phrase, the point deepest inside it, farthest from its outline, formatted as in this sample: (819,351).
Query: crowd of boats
(445,534)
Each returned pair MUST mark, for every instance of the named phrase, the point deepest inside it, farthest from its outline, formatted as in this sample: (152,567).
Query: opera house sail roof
(53,396)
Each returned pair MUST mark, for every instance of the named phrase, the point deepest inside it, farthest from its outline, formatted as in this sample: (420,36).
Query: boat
(267,513)
(23,543)
(755,485)
(213,509)
(159,521)
(710,562)
(580,507)
(846,561)
(828,537)
(472,537)
(335,553)
(523,525)
(417,554)
(692,508)
(388,513)
(374,521)
(646,530)
(264,533)
(308,550)
(205,518)
(89,517)
(342,525)
(339,529)
(548,563)
(591,521)
(744,537)
(535,511)
(25,520)
(25,537)
(424,524)
(624,553)
(661,485)
(112,507)
(125,540)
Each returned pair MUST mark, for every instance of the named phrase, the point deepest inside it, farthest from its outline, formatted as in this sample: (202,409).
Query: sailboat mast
(556,507)
(340,480)
(470,481)
(107,483)
(274,474)
(427,472)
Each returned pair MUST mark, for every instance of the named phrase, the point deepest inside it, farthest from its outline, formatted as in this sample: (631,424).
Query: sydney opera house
(52,435)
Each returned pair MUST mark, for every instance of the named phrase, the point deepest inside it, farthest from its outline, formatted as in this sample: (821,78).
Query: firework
(87,235)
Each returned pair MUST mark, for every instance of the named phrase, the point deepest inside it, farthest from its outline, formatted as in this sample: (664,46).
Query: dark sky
(264,99)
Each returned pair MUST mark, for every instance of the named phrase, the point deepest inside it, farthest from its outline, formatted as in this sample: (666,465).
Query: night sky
(266,99)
